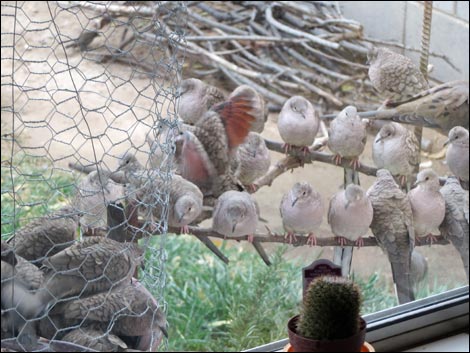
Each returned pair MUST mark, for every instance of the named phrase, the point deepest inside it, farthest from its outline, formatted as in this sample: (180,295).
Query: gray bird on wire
(393,228)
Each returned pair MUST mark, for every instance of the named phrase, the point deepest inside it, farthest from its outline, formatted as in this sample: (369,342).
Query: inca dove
(455,225)
(350,214)
(126,311)
(396,148)
(196,98)
(91,266)
(392,226)
(443,107)
(302,211)
(457,153)
(185,203)
(47,235)
(298,123)
(394,75)
(207,151)
(94,193)
(258,109)
(95,338)
(427,204)
(253,160)
(235,214)
(347,136)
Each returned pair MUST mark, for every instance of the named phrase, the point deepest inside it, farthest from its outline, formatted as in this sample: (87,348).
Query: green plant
(331,309)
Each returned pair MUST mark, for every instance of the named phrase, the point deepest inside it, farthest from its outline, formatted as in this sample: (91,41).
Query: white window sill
(457,343)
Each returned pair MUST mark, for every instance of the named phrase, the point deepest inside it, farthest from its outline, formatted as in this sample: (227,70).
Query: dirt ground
(50,122)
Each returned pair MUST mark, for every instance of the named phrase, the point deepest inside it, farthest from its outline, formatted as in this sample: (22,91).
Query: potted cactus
(330,320)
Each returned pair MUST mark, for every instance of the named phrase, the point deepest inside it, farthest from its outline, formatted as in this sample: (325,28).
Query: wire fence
(86,84)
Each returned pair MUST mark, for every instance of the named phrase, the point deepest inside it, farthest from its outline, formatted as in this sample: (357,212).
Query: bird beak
(234,225)
(347,205)
(181,218)
(303,116)
(416,183)
(379,139)
(295,201)
(446,143)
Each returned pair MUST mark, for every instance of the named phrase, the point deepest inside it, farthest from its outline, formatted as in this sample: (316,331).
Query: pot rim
(292,327)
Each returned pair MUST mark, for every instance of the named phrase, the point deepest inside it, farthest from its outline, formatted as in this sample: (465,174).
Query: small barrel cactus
(331,309)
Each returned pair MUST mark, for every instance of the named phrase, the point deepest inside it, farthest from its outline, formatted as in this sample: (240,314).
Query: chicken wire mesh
(82,84)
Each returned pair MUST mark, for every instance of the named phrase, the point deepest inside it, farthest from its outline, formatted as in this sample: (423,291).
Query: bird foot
(250,238)
(431,239)
(355,164)
(286,147)
(291,237)
(305,150)
(184,229)
(312,239)
(360,242)
(337,159)
(252,188)
(402,179)
(341,241)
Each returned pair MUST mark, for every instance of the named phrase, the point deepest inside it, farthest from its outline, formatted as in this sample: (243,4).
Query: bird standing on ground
(301,211)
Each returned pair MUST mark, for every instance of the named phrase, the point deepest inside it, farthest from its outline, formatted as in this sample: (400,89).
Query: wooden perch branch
(301,240)
(312,156)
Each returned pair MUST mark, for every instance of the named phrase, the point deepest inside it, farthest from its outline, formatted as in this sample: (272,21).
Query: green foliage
(213,306)
(38,189)
(331,309)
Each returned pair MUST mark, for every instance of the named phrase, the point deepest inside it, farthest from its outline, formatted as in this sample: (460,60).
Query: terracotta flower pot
(349,344)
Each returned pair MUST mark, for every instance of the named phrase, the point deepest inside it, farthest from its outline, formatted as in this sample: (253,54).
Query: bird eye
(303,193)
(427,178)
(189,209)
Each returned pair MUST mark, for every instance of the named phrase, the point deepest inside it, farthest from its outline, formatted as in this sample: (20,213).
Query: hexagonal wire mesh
(82,83)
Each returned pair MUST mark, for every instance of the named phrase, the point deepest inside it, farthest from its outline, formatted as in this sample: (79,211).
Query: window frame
(411,324)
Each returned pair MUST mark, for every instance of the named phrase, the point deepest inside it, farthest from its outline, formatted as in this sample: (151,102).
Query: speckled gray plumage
(457,153)
(393,228)
(443,107)
(394,75)
(94,193)
(196,99)
(253,159)
(90,266)
(95,338)
(131,310)
(46,235)
(456,224)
